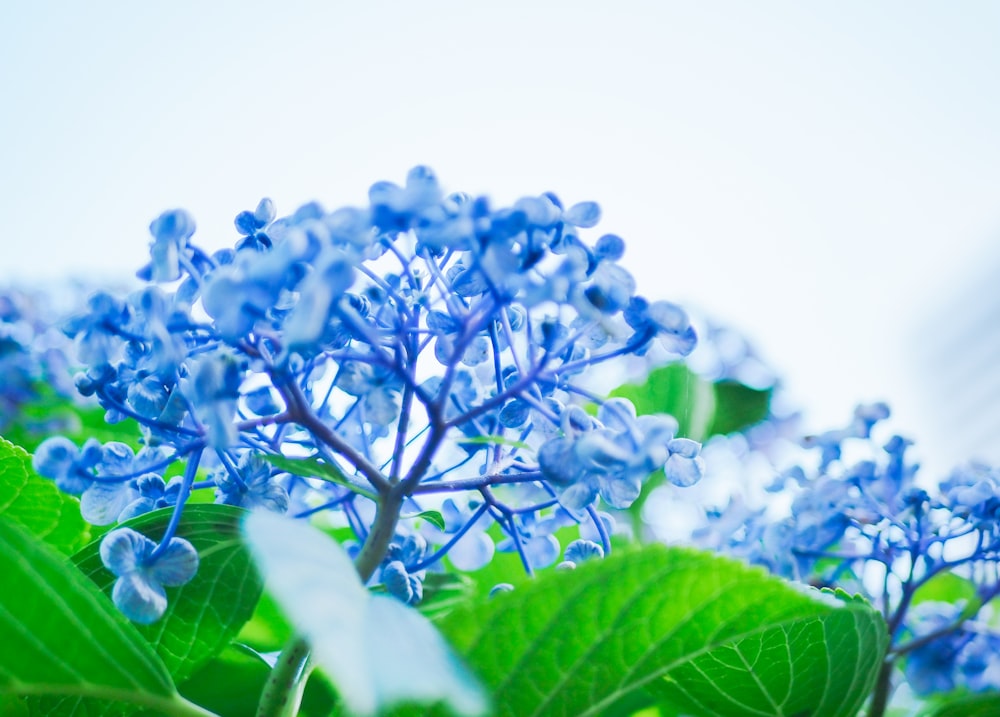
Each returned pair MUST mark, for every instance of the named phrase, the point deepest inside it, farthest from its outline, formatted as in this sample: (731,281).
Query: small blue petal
(124,550)
(610,247)
(684,447)
(584,214)
(397,581)
(264,213)
(514,414)
(177,564)
(581,550)
(682,471)
(542,550)
(473,551)
(501,588)
(103,503)
(246,223)
(138,599)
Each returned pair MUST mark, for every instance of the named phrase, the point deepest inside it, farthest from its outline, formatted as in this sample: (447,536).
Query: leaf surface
(204,615)
(37,504)
(315,468)
(701,634)
(61,635)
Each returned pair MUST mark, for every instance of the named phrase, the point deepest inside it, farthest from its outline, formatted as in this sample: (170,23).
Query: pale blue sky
(823,176)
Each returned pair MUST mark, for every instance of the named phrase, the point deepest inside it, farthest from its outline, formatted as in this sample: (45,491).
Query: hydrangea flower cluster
(430,352)
(32,355)
(927,557)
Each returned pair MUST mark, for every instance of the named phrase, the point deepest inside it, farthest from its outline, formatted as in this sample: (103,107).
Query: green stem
(381,533)
(282,693)
(883,689)
(283,690)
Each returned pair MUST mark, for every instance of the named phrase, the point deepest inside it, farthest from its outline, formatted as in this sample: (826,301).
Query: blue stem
(601,530)
(438,554)
(186,482)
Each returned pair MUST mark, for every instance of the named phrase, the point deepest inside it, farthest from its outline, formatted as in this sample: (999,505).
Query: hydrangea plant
(388,414)
(925,555)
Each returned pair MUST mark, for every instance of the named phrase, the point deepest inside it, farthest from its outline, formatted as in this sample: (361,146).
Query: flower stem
(282,692)
(883,689)
(380,536)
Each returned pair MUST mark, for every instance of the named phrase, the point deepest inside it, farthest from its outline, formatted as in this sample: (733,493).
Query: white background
(824,177)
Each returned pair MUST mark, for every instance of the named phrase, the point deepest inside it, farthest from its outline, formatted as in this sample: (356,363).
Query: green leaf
(737,407)
(204,615)
(61,635)
(268,629)
(947,587)
(982,705)
(37,504)
(443,592)
(376,650)
(701,634)
(49,413)
(496,441)
(676,390)
(13,706)
(431,516)
(315,468)
(702,408)
(230,683)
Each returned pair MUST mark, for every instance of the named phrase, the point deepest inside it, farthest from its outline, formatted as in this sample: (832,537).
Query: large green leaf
(204,615)
(37,504)
(61,635)
(702,634)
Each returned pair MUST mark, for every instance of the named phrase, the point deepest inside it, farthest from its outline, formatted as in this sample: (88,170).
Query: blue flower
(98,332)
(213,388)
(104,500)
(398,574)
(321,292)
(251,485)
(535,539)
(139,590)
(400,584)
(685,466)
(70,467)
(615,454)
(931,667)
(154,494)
(252,225)
(663,319)
(581,550)
(171,231)
(395,208)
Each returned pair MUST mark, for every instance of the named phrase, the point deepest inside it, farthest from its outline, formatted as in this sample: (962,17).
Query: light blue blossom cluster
(427,352)
(926,556)
(32,358)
